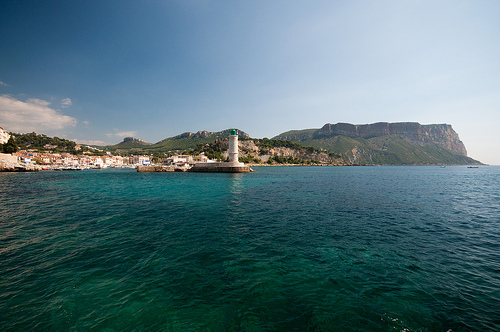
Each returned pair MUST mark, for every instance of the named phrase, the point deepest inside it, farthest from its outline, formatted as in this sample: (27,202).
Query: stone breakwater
(160,168)
(17,167)
(220,169)
(205,168)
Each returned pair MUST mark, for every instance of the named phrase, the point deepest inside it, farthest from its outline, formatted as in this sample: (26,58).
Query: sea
(389,248)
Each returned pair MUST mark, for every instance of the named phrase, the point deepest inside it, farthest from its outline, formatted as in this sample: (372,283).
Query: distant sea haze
(403,248)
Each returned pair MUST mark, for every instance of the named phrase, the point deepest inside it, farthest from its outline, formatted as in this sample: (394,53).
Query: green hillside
(180,143)
(190,140)
(296,135)
(127,146)
(177,143)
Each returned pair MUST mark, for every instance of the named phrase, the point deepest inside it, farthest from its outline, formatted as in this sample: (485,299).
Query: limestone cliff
(210,134)
(442,134)
(134,140)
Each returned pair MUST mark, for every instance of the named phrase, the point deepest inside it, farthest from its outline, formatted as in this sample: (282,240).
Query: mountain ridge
(184,141)
(381,143)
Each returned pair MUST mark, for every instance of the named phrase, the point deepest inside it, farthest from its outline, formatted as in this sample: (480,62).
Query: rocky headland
(442,134)
(384,143)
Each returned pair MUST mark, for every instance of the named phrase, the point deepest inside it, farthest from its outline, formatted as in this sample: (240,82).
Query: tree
(10,146)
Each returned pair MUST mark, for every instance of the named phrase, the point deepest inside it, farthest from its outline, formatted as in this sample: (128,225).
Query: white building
(140,160)
(112,160)
(4,136)
(178,160)
(181,160)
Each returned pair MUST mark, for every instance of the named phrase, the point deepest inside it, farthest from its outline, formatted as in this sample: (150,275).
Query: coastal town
(36,161)
(93,158)
(30,160)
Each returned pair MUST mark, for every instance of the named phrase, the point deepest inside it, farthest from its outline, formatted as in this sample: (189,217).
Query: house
(178,160)
(4,136)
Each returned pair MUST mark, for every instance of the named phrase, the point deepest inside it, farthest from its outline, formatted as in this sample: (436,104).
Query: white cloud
(4,84)
(66,102)
(39,102)
(32,115)
(86,122)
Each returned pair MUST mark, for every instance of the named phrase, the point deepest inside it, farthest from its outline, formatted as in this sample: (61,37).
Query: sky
(98,71)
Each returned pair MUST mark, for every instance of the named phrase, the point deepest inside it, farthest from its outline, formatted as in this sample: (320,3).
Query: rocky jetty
(17,167)
(222,167)
(161,168)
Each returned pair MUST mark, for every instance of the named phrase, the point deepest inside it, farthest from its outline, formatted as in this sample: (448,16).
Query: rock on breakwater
(161,168)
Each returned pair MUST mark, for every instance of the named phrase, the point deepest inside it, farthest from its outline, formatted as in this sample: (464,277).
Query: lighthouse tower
(231,166)
(233,148)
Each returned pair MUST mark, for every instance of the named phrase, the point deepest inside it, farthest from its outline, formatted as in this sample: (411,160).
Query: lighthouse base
(220,168)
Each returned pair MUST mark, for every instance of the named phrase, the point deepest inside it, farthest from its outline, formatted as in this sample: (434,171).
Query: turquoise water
(280,249)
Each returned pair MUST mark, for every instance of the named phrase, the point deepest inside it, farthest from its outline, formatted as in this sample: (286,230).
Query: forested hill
(41,142)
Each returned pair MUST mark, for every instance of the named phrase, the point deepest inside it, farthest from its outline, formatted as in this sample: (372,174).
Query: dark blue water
(280,249)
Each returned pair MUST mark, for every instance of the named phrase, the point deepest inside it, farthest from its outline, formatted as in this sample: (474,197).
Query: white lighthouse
(231,166)
(233,148)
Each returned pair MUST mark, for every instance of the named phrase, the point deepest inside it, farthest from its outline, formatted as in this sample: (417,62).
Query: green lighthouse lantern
(233,132)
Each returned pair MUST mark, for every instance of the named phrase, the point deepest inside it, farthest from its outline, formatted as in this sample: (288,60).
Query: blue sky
(97,71)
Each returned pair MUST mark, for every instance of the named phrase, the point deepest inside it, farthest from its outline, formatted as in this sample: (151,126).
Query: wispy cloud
(66,102)
(3,84)
(31,115)
(89,142)
(126,134)
(122,134)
